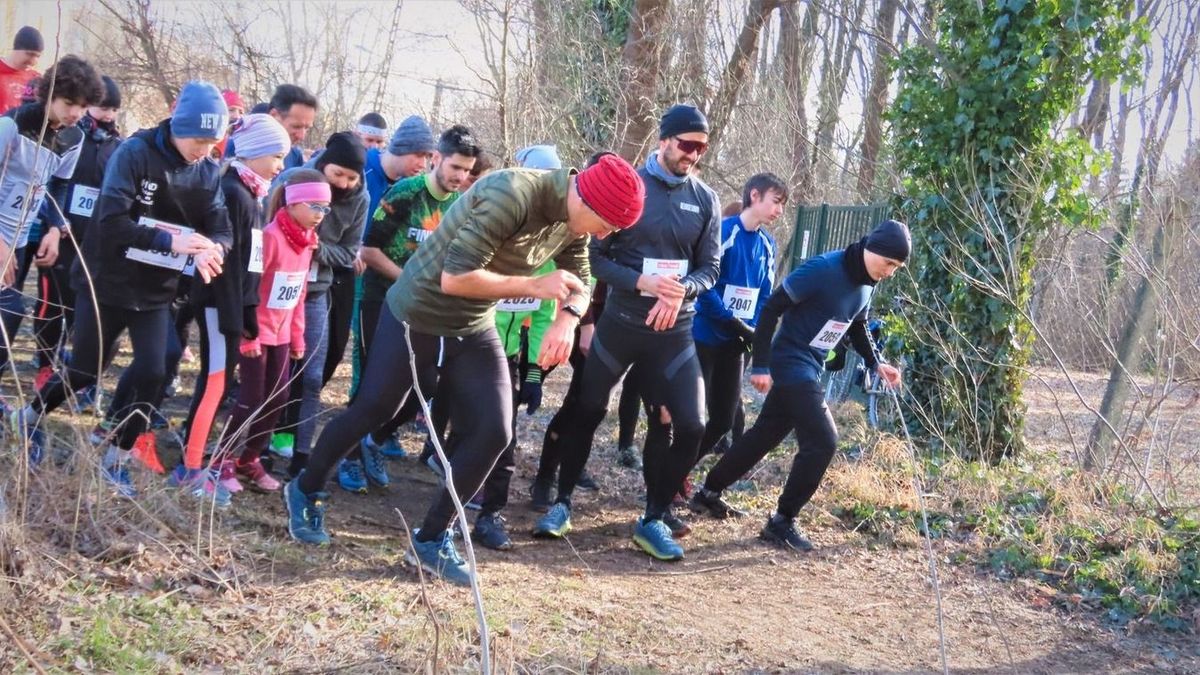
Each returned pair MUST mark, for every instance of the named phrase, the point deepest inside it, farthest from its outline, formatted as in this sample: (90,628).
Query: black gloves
(531,390)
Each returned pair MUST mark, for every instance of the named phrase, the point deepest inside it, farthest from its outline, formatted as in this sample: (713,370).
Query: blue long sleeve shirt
(746,279)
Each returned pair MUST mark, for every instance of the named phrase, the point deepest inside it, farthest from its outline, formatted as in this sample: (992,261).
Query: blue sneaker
(84,400)
(392,449)
(306,513)
(117,476)
(350,476)
(555,524)
(373,462)
(27,432)
(655,538)
(439,558)
(201,484)
(158,421)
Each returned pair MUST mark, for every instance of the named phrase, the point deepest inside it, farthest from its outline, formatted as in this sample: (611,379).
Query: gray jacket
(340,233)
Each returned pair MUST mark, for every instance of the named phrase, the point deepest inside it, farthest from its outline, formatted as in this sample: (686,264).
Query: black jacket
(100,141)
(147,177)
(235,293)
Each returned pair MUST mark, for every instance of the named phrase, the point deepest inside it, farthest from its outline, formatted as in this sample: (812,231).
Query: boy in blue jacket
(727,313)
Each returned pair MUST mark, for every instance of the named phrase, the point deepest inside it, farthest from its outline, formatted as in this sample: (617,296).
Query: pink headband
(307,192)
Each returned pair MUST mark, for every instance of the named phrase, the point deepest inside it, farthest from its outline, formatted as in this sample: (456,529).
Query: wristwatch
(574,310)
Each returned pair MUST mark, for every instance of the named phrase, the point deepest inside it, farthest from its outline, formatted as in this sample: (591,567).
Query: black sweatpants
(94,345)
(722,366)
(790,407)
(471,375)
(341,313)
(670,378)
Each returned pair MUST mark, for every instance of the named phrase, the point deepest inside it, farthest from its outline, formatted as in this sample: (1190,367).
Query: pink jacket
(281,292)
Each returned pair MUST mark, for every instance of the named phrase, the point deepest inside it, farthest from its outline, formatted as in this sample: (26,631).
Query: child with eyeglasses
(296,208)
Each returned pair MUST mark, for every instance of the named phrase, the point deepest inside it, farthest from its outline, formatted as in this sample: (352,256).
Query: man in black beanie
(17,68)
(825,298)
(327,307)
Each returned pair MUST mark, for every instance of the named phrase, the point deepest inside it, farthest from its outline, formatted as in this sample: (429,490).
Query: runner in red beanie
(612,189)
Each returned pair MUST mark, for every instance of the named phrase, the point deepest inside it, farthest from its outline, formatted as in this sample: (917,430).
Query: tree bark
(737,69)
(641,61)
(795,54)
(876,103)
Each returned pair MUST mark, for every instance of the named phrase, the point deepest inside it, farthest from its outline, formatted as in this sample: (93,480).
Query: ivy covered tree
(989,170)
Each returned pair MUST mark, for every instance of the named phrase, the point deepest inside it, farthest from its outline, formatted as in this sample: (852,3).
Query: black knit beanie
(346,150)
(890,239)
(112,93)
(29,39)
(681,118)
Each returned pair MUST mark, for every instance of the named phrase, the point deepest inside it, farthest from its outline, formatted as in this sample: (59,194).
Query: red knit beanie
(614,190)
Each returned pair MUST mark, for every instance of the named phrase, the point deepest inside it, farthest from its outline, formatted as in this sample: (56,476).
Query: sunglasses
(690,147)
(317,208)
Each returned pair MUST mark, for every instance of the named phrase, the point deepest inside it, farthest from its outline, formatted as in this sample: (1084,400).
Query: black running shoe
(678,527)
(704,501)
(586,482)
(782,532)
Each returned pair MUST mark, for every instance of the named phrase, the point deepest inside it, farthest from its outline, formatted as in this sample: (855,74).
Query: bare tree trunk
(881,75)
(737,69)
(795,54)
(835,72)
(641,61)
(134,20)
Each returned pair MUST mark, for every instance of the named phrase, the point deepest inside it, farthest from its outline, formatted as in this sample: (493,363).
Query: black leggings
(55,311)
(471,374)
(671,379)
(722,366)
(628,406)
(94,344)
(791,407)
(341,312)
(368,316)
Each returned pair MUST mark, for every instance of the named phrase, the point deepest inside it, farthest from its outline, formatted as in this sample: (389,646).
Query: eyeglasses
(690,147)
(318,208)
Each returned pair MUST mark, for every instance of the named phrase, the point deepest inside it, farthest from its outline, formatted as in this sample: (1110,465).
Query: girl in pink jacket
(296,208)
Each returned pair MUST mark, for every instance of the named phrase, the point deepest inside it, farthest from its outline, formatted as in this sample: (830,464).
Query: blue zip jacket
(377,183)
(747,262)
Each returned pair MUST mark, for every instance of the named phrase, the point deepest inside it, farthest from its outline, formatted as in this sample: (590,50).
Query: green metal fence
(824,228)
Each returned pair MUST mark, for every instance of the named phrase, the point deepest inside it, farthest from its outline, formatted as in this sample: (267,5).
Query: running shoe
(679,528)
(782,532)
(227,476)
(283,443)
(555,524)
(490,531)
(711,503)
(28,433)
(629,457)
(391,449)
(259,479)
(350,476)
(586,482)
(654,537)
(145,451)
(115,472)
(439,558)
(374,464)
(199,483)
(306,514)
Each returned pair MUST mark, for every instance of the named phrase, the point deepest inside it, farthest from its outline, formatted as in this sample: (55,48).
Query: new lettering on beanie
(200,112)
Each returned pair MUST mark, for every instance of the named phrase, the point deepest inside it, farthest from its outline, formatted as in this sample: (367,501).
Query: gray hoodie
(340,233)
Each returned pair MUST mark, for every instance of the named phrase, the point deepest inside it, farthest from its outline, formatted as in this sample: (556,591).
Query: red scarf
(257,185)
(299,237)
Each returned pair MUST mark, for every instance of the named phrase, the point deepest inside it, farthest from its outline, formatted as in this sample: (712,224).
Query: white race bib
(18,203)
(830,334)
(741,301)
(83,200)
(519,305)
(658,267)
(256,252)
(313,269)
(170,260)
(285,290)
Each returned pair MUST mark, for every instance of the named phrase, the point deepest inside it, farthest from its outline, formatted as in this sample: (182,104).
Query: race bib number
(830,334)
(285,290)
(741,301)
(312,272)
(21,204)
(658,267)
(519,305)
(169,260)
(83,200)
(256,252)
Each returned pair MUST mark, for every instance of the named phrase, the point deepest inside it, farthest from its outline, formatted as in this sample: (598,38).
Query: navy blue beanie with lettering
(200,112)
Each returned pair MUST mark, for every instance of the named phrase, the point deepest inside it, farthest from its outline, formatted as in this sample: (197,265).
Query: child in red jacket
(296,208)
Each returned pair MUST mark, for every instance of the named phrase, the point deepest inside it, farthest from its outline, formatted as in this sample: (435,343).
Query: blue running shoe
(555,524)
(655,538)
(201,484)
(306,513)
(117,476)
(350,476)
(391,449)
(439,558)
(157,421)
(373,462)
(84,400)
